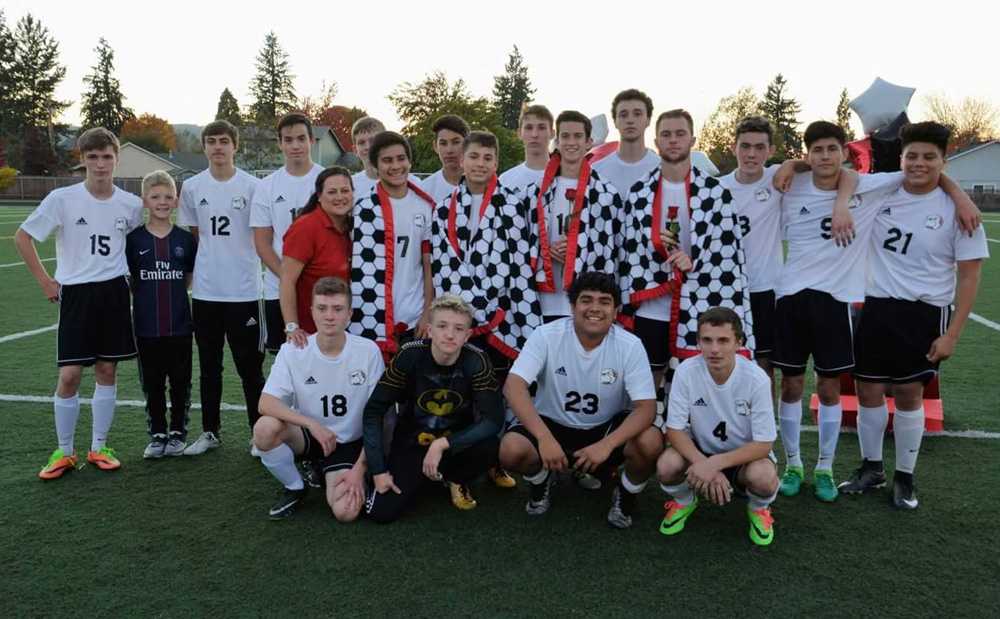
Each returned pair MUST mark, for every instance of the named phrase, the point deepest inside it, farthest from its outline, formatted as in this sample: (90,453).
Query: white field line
(14,264)
(985,321)
(43,399)
(17,336)
(992,240)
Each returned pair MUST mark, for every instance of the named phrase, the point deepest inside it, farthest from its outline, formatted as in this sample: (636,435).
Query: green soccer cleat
(761,526)
(826,489)
(791,481)
(676,516)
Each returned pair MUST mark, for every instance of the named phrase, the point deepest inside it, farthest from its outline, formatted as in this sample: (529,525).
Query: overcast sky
(174,58)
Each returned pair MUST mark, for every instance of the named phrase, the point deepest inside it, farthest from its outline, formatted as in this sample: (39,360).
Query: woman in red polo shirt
(317,244)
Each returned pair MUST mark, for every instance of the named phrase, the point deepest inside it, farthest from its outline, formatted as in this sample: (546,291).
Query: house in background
(135,162)
(976,169)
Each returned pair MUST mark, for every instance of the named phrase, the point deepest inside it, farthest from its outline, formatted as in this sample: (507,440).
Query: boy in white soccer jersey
(720,425)
(631,111)
(390,262)
(450,132)
(363,132)
(225,305)
(90,220)
(535,128)
(907,325)
(590,373)
(758,210)
(312,406)
(277,198)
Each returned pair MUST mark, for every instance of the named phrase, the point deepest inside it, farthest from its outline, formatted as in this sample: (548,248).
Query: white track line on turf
(17,336)
(992,240)
(14,264)
(42,399)
(985,321)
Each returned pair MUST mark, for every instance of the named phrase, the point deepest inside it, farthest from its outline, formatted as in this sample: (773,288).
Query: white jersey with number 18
(332,390)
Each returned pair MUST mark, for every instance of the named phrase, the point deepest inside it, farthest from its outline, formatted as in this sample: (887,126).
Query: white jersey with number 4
(90,233)
(579,388)
(721,418)
(277,198)
(915,245)
(758,210)
(332,390)
(814,260)
(227,267)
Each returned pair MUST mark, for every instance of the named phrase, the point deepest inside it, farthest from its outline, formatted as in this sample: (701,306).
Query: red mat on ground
(933,411)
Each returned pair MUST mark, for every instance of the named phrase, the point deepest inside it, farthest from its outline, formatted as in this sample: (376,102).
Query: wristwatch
(291,327)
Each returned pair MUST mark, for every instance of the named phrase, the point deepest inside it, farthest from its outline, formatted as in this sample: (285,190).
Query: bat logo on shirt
(763,194)
(933,222)
(742,408)
(608,376)
(440,402)
(358,377)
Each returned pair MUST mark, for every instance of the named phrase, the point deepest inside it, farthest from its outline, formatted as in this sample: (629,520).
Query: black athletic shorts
(274,325)
(572,439)
(340,459)
(762,310)
(894,337)
(95,323)
(655,337)
(811,322)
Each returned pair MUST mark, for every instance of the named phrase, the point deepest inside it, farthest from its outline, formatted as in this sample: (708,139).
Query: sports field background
(190,536)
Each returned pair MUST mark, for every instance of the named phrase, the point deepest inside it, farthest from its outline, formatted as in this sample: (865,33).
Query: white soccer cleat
(208,440)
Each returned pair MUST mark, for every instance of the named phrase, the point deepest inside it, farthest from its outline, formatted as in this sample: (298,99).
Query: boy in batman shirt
(437,382)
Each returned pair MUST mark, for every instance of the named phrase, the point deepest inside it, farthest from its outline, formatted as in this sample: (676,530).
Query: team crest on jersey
(608,376)
(742,408)
(763,194)
(419,221)
(178,252)
(239,203)
(854,202)
(358,377)
(933,222)
(120,224)
(440,402)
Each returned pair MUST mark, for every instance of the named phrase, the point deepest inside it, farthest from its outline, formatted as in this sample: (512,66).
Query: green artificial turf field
(190,536)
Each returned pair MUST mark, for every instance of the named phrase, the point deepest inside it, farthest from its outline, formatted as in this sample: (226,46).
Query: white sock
(680,493)
(538,478)
(908,430)
(790,419)
(103,409)
(755,501)
(829,432)
(631,488)
(280,461)
(67,411)
(871,430)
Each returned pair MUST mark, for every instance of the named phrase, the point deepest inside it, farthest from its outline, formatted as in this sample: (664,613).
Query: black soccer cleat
(904,491)
(540,496)
(285,506)
(312,475)
(867,477)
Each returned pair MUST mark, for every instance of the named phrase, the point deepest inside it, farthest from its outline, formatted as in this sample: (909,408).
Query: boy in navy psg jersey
(160,261)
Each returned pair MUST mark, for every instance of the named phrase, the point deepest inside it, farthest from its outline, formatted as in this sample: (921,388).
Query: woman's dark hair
(313,202)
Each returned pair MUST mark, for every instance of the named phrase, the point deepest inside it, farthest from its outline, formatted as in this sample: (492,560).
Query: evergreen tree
(8,86)
(272,88)
(512,89)
(783,112)
(104,104)
(229,108)
(844,115)
(36,72)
